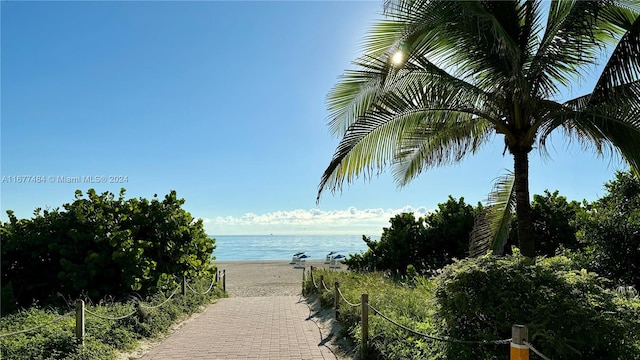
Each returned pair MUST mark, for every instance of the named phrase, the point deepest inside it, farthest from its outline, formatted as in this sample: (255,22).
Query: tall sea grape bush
(556,222)
(101,245)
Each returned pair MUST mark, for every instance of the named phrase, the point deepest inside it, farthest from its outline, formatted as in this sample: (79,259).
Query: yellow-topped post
(519,335)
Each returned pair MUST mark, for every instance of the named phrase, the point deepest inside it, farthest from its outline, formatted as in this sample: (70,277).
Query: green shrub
(104,338)
(409,302)
(427,243)
(100,245)
(570,313)
(611,231)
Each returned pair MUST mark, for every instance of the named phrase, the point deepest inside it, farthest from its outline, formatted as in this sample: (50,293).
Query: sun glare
(398,57)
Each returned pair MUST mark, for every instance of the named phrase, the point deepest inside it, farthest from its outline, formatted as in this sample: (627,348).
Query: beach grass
(105,338)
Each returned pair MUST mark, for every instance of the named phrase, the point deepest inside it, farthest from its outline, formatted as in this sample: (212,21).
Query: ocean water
(282,247)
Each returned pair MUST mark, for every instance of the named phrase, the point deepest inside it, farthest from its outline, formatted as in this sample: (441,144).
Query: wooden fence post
(184,285)
(216,274)
(224,280)
(321,281)
(80,322)
(519,334)
(336,300)
(303,271)
(364,308)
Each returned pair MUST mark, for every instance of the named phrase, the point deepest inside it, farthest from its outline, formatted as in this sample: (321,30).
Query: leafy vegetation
(570,313)
(579,299)
(104,338)
(99,246)
(425,244)
(439,79)
(601,236)
(556,222)
(610,232)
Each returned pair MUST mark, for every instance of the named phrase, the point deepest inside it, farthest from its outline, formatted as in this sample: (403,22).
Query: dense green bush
(98,246)
(554,223)
(610,230)
(426,243)
(570,313)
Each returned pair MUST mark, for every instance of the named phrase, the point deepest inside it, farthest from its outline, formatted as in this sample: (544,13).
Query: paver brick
(247,328)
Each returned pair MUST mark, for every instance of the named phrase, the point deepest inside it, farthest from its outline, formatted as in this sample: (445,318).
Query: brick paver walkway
(247,328)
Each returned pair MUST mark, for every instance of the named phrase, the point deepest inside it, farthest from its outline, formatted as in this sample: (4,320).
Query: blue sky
(223,102)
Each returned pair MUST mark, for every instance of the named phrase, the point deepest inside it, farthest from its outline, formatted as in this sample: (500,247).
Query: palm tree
(440,78)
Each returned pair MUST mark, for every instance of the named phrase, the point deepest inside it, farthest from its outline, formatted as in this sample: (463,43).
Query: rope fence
(38,326)
(313,279)
(81,310)
(535,350)
(519,345)
(435,338)
(213,282)
(323,284)
(164,302)
(107,317)
(347,301)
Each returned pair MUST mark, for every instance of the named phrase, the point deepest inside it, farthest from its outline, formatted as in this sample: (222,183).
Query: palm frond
(365,147)
(491,227)
(385,115)
(386,138)
(574,39)
(623,66)
(609,126)
(352,97)
(447,140)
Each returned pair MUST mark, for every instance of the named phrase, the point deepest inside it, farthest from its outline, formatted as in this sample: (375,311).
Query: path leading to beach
(264,318)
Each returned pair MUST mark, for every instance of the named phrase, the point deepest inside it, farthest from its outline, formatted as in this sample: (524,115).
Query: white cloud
(351,221)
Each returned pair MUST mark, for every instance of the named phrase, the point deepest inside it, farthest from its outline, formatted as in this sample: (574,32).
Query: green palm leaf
(492,225)
(471,69)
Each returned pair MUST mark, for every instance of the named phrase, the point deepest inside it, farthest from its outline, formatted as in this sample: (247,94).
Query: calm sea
(282,247)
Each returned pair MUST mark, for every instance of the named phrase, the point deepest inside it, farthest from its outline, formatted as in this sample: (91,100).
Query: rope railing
(313,280)
(436,338)
(107,317)
(518,341)
(38,326)
(535,350)
(323,284)
(162,303)
(213,282)
(81,310)
(345,299)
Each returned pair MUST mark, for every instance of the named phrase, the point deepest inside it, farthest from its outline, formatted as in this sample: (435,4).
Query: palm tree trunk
(523,205)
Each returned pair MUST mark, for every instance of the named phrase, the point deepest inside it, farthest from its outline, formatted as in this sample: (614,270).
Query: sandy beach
(264,278)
